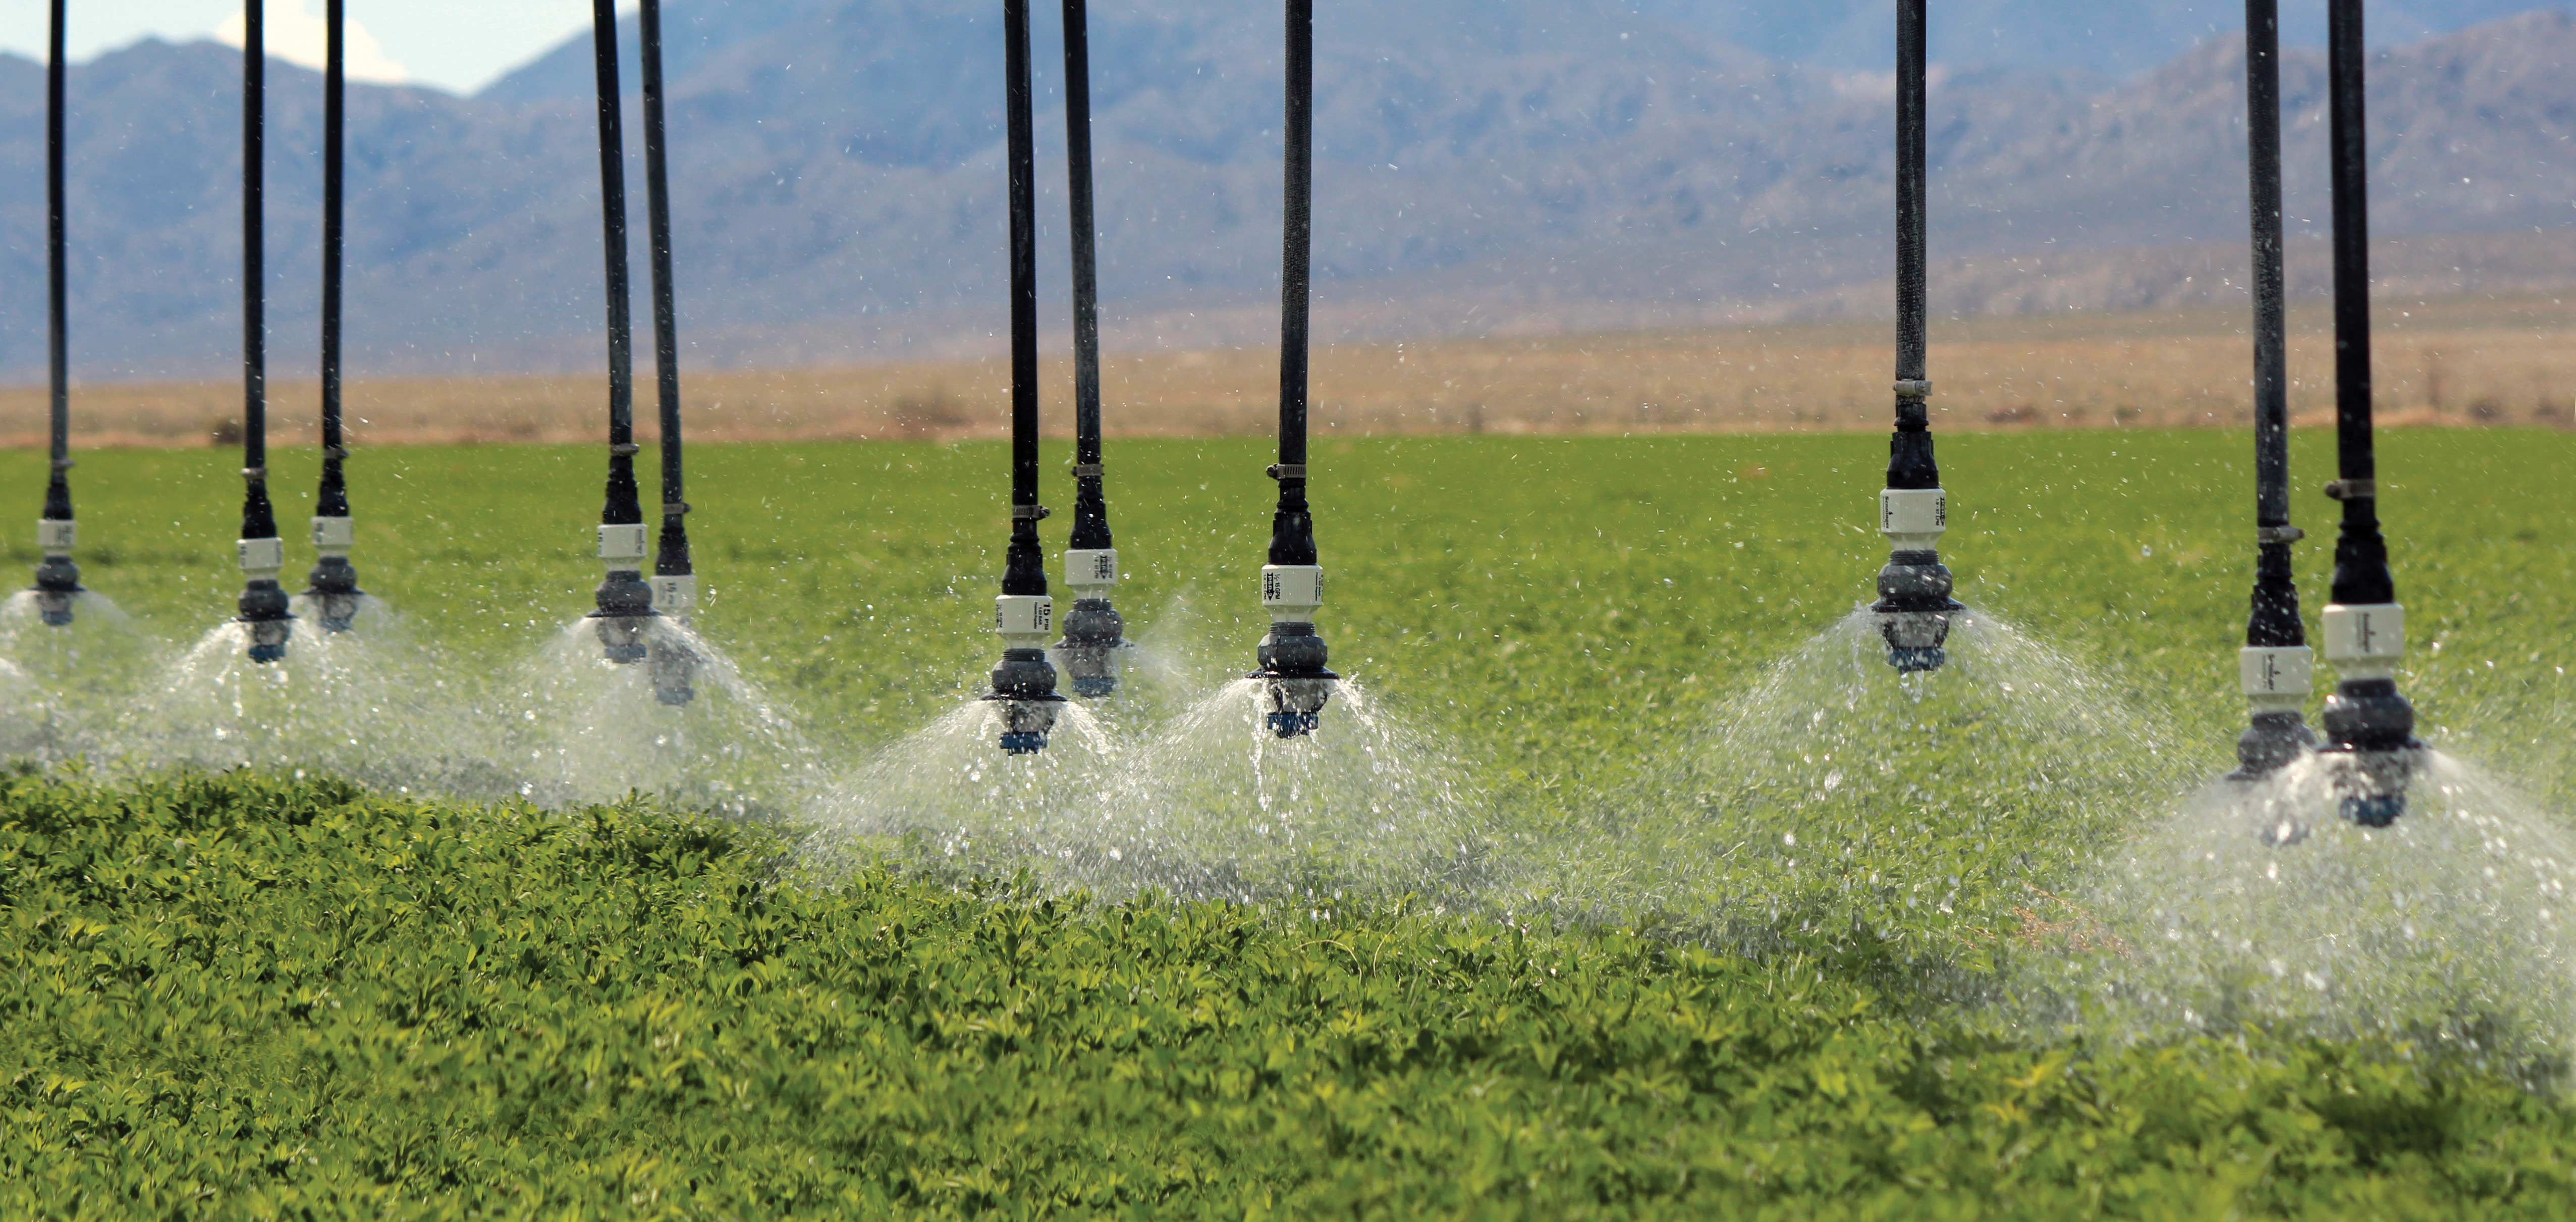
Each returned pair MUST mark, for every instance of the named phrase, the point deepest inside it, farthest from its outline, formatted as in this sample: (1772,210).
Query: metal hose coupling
(625,604)
(673,663)
(1094,635)
(332,587)
(2370,728)
(1914,605)
(1024,681)
(1294,684)
(263,601)
(57,578)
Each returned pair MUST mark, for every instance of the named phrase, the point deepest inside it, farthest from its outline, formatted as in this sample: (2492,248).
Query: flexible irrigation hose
(2361,554)
(1910,461)
(672,559)
(259,520)
(621,507)
(1090,503)
(58,491)
(333,501)
(2274,622)
(1292,534)
(1025,568)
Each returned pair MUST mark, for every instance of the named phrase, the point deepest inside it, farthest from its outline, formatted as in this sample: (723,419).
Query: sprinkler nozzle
(625,603)
(2277,680)
(1294,684)
(2367,722)
(57,578)
(1024,681)
(1914,605)
(263,601)
(1093,632)
(332,587)
(674,664)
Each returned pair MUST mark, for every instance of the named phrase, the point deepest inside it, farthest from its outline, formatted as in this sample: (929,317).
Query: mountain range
(1483,165)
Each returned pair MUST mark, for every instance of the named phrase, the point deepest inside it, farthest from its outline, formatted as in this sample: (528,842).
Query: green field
(1672,971)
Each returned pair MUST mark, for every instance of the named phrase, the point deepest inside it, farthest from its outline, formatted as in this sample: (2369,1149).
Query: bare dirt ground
(2463,362)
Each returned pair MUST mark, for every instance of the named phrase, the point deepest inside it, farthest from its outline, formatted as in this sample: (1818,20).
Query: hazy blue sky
(458,45)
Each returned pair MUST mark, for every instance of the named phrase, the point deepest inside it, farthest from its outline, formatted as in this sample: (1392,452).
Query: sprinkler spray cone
(625,606)
(1294,684)
(1093,633)
(332,587)
(1914,604)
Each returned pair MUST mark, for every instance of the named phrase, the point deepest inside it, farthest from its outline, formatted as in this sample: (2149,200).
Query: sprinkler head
(1024,685)
(332,587)
(2369,726)
(263,601)
(1024,681)
(1093,632)
(1914,604)
(2277,680)
(625,603)
(57,578)
(1294,684)
(674,664)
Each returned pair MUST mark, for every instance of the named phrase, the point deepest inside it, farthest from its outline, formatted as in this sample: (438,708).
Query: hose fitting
(2277,681)
(1093,632)
(2371,726)
(1295,686)
(1914,605)
(625,603)
(1024,681)
(57,578)
(332,587)
(263,601)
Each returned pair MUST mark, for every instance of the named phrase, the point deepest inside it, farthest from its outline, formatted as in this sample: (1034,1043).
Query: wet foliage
(232,996)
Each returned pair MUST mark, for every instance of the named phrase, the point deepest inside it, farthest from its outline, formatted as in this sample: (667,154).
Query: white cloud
(296,33)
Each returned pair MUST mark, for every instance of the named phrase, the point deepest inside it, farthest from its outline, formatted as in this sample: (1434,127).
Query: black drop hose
(624,600)
(57,577)
(334,498)
(672,558)
(1910,462)
(263,605)
(2275,667)
(1090,503)
(1024,572)
(1292,529)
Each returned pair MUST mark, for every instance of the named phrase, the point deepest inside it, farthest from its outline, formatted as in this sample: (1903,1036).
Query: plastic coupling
(263,607)
(2368,724)
(1094,634)
(332,588)
(2276,681)
(57,578)
(624,611)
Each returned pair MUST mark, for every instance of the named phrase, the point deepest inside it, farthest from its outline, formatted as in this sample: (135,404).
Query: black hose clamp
(2353,489)
(1086,470)
(335,452)
(1030,513)
(254,473)
(1287,471)
(1918,388)
(64,464)
(625,449)
(2278,534)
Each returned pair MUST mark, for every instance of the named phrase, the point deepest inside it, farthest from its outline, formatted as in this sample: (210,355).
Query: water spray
(57,578)
(2368,724)
(675,582)
(1914,605)
(1024,682)
(261,553)
(1093,633)
(2276,662)
(1294,684)
(625,603)
(332,587)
